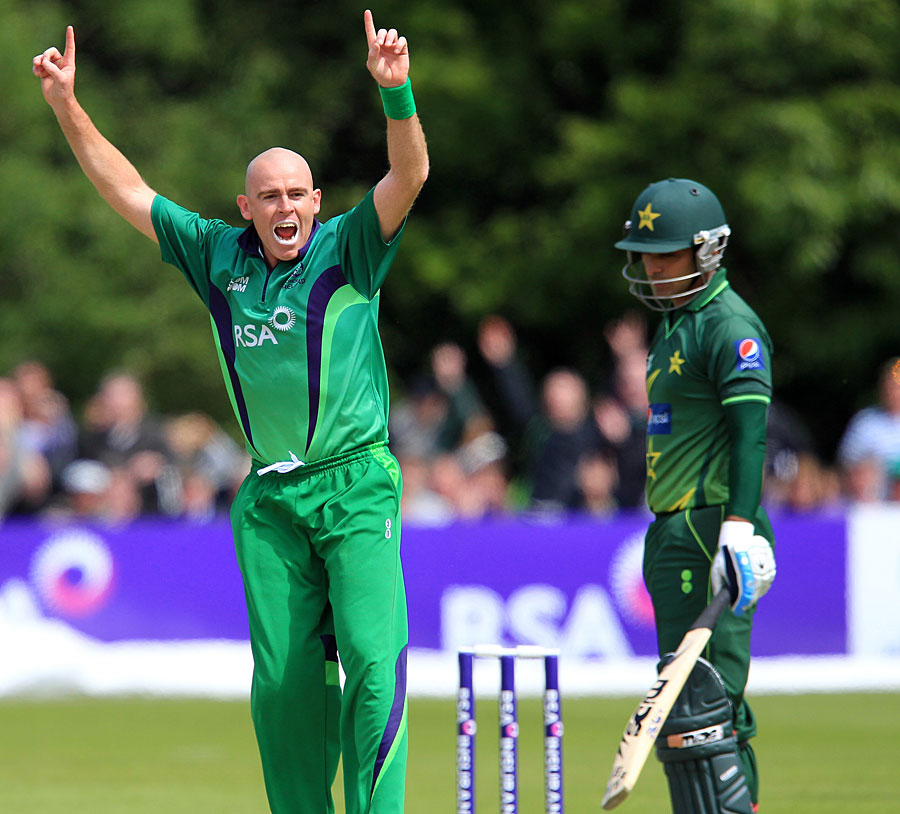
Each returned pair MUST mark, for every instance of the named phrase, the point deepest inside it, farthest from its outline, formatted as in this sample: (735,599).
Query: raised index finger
(69,55)
(370,26)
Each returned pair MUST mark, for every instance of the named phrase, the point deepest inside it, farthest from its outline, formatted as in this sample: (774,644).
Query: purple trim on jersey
(221,314)
(329,642)
(322,291)
(394,719)
(249,241)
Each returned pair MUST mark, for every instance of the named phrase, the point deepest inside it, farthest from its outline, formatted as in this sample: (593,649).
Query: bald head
(276,162)
(281,201)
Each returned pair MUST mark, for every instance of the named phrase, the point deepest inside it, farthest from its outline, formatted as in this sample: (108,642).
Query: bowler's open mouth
(286,232)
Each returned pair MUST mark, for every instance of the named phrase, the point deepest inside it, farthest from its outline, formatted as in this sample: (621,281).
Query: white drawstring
(282,467)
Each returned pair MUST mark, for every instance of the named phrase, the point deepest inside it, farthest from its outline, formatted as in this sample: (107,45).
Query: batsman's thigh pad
(698,749)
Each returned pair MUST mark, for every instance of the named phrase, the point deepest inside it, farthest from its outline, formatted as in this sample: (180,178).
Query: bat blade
(644,724)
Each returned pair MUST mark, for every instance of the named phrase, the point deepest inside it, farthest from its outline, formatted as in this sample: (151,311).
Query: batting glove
(744,562)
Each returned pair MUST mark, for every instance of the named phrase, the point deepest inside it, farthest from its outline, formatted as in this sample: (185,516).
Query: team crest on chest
(295,278)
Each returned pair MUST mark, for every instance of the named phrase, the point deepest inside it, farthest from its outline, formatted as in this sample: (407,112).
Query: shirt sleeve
(746,423)
(365,256)
(740,364)
(186,241)
(740,361)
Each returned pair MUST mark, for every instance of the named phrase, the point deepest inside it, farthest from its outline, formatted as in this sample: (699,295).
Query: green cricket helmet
(668,216)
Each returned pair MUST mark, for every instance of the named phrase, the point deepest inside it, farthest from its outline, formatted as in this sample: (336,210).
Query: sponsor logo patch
(283,318)
(246,336)
(698,737)
(659,419)
(749,354)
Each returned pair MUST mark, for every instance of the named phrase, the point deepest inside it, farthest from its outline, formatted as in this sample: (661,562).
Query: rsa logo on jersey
(749,354)
(252,336)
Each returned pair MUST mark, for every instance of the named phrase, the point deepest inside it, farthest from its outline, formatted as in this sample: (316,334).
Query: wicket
(509,727)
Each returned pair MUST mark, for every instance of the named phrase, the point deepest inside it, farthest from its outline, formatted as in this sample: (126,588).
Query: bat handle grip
(713,611)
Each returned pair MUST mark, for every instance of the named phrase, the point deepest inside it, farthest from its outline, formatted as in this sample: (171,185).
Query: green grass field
(818,754)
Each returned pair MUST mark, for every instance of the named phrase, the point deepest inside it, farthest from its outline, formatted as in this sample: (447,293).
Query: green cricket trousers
(319,552)
(678,553)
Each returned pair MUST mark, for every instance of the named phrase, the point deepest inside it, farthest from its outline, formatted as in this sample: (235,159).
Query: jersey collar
(249,241)
(716,286)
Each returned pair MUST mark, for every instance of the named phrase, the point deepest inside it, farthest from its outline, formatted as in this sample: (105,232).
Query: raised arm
(117,181)
(388,62)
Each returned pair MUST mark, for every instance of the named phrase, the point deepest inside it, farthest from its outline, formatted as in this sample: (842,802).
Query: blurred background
(544,121)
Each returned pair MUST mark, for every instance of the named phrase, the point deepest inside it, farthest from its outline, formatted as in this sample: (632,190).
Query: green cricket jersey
(298,344)
(713,352)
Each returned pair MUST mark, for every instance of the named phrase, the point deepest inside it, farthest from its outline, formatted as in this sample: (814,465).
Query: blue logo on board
(659,419)
(749,354)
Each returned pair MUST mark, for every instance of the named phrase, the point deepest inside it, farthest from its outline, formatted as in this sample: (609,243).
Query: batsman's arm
(746,425)
(388,62)
(744,561)
(113,175)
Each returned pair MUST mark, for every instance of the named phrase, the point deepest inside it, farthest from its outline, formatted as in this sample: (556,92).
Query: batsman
(709,383)
(293,305)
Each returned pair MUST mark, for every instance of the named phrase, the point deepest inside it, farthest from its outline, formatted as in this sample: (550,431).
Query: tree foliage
(544,122)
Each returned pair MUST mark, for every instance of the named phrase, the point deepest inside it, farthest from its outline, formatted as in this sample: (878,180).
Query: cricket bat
(644,725)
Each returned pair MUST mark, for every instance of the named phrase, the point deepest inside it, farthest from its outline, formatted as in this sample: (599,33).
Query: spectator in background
(48,426)
(95,493)
(120,433)
(813,487)
(468,483)
(447,480)
(787,440)
(598,480)
(441,408)
(870,447)
(467,416)
(795,478)
(621,415)
(421,504)
(416,420)
(24,473)
(472,480)
(482,459)
(211,464)
(86,485)
(452,458)
(554,431)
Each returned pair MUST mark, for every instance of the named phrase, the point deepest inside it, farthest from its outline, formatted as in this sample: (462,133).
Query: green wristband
(398,102)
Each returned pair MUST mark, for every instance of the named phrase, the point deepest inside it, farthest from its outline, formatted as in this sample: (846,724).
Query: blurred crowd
(509,444)
(115,463)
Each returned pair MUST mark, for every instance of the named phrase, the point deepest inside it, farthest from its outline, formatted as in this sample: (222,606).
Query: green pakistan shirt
(298,344)
(713,352)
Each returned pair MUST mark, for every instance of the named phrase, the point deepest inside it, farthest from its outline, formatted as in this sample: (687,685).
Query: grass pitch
(818,754)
